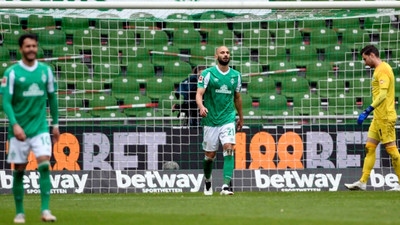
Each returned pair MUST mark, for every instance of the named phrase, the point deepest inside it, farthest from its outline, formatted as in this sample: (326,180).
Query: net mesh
(124,106)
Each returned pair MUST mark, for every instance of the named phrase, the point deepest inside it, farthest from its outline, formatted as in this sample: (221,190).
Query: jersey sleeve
(7,88)
(51,93)
(383,80)
(239,84)
(204,78)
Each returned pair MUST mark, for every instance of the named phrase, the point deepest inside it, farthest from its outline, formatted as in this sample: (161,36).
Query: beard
(222,62)
(27,56)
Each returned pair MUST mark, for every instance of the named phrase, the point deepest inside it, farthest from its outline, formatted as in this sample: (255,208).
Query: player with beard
(26,86)
(220,86)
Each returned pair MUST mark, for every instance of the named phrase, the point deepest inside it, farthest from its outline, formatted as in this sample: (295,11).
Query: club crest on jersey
(381,81)
(44,78)
(22,79)
(4,82)
(33,90)
(223,90)
(232,81)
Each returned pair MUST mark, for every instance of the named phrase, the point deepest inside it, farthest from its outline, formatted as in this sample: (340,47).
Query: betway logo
(31,180)
(153,180)
(291,179)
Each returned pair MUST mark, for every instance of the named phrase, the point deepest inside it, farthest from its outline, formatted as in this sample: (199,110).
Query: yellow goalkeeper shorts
(382,130)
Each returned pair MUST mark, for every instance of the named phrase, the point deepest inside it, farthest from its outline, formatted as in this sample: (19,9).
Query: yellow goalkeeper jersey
(383,78)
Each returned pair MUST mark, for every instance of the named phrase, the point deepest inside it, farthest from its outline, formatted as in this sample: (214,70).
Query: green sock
(207,167)
(228,167)
(45,184)
(18,191)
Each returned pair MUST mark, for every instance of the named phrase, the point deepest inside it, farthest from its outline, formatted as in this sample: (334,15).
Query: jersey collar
(29,68)
(223,73)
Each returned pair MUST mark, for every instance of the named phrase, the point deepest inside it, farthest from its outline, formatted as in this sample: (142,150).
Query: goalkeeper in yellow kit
(382,127)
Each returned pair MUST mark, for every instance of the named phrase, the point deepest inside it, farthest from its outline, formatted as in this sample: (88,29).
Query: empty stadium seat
(219,37)
(74,22)
(177,71)
(389,38)
(294,86)
(135,54)
(157,87)
(180,22)
(346,23)
(318,71)
(123,86)
(256,38)
(303,54)
(341,104)
(106,71)
(239,53)
(151,38)
(135,99)
(242,24)
(142,20)
(338,53)
(306,104)
(322,37)
(260,86)
(87,38)
(10,39)
(354,35)
(279,69)
(186,38)
(38,20)
(4,54)
(50,39)
(122,39)
(212,21)
(104,55)
(165,55)
(331,87)
(9,22)
(248,68)
(287,37)
(165,104)
(272,54)
(360,86)
(273,104)
(203,55)
(140,70)
(65,51)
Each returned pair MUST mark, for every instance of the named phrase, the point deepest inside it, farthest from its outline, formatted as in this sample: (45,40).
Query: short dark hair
(367,50)
(25,36)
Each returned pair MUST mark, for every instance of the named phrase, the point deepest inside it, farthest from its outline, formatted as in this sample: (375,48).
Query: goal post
(126,70)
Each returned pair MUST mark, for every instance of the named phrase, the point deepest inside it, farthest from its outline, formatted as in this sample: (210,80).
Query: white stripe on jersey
(206,80)
(50,82)
(11,77)
(239,85)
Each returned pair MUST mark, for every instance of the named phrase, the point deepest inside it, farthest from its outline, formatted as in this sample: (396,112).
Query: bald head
(223,55)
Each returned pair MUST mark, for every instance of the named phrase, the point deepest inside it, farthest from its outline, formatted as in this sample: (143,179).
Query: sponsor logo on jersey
(223,90)
(33,90)
(4,82)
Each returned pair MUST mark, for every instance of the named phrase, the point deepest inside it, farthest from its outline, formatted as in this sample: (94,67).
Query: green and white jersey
(218,97)
(25,92)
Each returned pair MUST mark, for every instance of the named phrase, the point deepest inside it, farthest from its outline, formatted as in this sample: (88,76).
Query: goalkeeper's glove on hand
(364,115)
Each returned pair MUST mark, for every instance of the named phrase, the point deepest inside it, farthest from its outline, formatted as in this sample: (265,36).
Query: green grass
(250,208)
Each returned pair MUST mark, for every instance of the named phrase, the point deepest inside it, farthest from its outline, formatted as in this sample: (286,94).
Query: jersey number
(45,140)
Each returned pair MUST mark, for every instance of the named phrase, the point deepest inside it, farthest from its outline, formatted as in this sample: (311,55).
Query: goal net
(128,116)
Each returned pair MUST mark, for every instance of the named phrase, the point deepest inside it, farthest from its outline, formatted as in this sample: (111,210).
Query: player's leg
(210,146)
(41,147)
(18,154)
(369,160)
(389,141)
(227,136)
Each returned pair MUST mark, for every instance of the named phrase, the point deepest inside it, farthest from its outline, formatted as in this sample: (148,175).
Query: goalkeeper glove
(364,115)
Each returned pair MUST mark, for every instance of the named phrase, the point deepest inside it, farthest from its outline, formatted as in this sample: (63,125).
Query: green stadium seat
(389,39)
(360,87)
(104,55)
(341,104)
(294,86)
(10,39)
(122,86)
(3,68)
(101,100)
(331,87)
(207,51)
(347,23)
(279,67)
(338,53)
(82,118)
(323,37)
(157,87)
(261,86)
(106,71)
(287,37)
(4,54)
(72,71)
(166,102)
(354,35)
(108,116)
(142,20)
(247,100)
(165,55)
(122,39)
(135,54)
(87,38)
(178,21)
(151,38)
(135,99)
(305,104)
(239,53)
(38,20)
(177,71)
(272,54)
(377,22)
(106,25)
(318,71)
(303,54)
(9,22)
(242,24)
(73,22)
(219,37)
(186,38)
(312,24)
(65,51)
(273,104)
(50,39)
(256,38)
(68,101)
(353,70)
(246,68)
(213,20)
(140,70)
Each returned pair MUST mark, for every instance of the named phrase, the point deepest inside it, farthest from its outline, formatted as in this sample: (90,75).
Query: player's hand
(203,111)
(239,124)
(56,134)
(19,133)
(364,115)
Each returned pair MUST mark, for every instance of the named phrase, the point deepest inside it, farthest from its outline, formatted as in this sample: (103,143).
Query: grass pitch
(306,208)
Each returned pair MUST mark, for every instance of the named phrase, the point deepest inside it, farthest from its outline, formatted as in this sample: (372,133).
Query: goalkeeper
(26,86)
(382,127)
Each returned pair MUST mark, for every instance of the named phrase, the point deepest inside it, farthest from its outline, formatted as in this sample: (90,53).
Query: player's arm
(7,87)
(52,96)
(383,89)
(201,89)
(238,104)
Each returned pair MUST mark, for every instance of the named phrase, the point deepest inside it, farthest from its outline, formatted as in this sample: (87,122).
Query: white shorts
(212,135)
(19,150)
